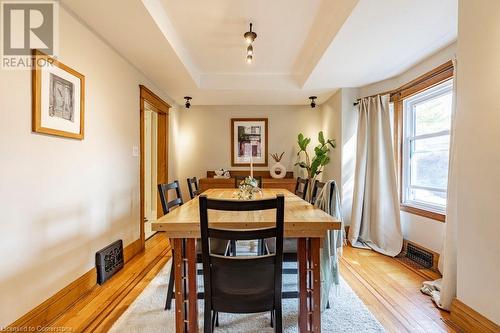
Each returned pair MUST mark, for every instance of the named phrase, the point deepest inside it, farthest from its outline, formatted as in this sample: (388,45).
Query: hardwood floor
(99,309)
(389,289)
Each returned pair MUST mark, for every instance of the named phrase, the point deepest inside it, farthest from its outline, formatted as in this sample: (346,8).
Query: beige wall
(203,136)
(426,232)
(61,199)
(478,140)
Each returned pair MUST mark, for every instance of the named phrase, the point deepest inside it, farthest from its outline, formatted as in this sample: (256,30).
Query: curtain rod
(440,70)
(390,92)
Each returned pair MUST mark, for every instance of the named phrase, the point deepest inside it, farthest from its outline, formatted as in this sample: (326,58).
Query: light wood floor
(99,309)
(389,290)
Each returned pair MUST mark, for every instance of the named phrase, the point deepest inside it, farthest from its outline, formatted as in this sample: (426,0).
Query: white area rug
(146,314)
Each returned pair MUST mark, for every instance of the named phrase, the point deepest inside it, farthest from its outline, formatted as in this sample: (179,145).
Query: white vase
(278,171)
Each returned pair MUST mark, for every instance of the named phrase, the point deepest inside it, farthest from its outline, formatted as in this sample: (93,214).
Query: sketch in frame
(61,100)
(58,98)
(249,141)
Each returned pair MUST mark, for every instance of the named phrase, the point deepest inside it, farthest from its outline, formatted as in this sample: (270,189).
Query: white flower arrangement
(248,188)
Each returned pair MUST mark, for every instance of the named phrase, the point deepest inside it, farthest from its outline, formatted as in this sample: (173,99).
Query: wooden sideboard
(267,182)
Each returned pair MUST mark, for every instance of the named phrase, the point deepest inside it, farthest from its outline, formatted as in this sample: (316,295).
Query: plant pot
(278,171)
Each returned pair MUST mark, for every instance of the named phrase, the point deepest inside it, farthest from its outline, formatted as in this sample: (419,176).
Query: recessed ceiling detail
(304,48)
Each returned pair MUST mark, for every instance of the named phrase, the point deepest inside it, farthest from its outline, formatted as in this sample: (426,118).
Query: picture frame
(58,93)
(249,135)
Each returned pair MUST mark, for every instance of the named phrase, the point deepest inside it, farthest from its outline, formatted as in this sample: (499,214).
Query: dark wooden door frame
(159,106)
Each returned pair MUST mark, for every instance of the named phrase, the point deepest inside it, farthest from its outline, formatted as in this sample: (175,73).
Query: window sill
(422,212)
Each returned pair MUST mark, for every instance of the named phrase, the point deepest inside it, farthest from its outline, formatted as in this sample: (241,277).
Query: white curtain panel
(375,221)
(444,290)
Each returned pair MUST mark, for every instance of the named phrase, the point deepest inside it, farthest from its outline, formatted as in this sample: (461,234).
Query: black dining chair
(301,187)
(217,246)
(318,186)
(193,187)
(246,284)
(163,190)
(290,244)
(239,179)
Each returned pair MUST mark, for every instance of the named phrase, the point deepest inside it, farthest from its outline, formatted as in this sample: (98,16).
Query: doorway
(154,158)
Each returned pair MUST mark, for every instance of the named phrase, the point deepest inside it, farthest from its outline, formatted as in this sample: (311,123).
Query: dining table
(303,221)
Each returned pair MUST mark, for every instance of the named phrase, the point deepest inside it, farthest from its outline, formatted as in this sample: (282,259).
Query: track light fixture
(250,35)
(313,101)
(250,38)
(188,103)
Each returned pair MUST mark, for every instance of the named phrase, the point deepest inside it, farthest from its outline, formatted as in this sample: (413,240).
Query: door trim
(159,106)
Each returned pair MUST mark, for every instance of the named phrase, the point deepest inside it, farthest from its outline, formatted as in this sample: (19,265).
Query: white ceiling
(304,47)
(383,38)
(212,32)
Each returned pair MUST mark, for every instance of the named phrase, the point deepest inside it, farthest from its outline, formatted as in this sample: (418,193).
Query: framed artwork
(58,98)
(249,141)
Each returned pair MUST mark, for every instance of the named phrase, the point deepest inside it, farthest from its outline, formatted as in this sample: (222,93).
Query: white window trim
(408,121)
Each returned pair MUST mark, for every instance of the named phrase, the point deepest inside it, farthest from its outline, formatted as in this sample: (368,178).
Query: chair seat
(289,245)
(217,246)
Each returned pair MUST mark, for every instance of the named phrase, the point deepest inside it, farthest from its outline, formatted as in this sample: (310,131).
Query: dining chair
(290,244)
(301,187)
(239,179)
(318,186)
(193,187)
(246,284)
(217,246)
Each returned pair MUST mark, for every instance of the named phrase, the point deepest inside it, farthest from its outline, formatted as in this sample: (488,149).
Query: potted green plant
(314,166)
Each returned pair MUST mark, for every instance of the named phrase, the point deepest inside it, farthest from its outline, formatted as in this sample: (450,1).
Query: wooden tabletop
(301,218)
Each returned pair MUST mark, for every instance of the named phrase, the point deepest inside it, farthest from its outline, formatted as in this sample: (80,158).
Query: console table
(267,182)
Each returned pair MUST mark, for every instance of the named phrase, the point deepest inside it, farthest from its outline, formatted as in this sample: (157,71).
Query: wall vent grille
(108,261)
(419,255)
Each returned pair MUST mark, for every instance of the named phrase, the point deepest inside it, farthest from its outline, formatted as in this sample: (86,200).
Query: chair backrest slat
(193,187)
(240,205)
(301,187)
(241,234)
(163,190)
(316,189)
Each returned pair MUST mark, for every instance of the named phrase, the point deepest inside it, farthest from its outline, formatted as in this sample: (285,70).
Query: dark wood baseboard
(468,320)
(55,305)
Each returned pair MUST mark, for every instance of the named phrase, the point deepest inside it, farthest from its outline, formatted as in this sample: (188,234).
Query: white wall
(426,232)
(478,139)
(62,199)
(349,144)
(331,120)
(339,121)
(203,136)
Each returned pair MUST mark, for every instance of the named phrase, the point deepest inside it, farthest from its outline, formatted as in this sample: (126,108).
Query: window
(426,144)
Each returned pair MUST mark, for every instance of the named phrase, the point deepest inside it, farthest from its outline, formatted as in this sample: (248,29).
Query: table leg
(302,283)
(186,307)
(192,286)
(179,285)
(309,276)
(315,284)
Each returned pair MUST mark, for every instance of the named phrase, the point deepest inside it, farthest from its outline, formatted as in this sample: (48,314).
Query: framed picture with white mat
(58,98)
